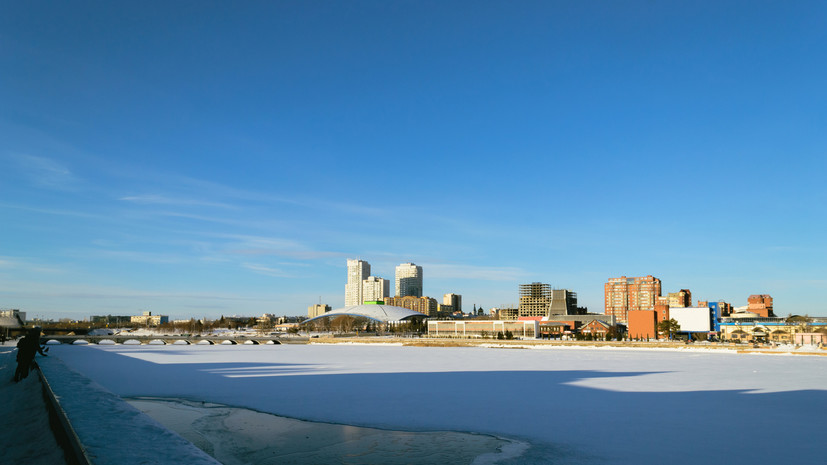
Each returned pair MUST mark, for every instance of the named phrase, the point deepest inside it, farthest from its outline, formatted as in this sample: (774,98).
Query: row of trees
(191,326)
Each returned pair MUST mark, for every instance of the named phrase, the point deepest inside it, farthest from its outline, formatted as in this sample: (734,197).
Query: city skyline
(207,160)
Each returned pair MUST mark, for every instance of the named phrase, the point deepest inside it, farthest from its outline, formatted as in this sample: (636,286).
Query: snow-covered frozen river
(575,405)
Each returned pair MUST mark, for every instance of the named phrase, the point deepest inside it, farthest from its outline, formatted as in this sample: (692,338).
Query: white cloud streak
(485,273)
(267,271)
(46,172)
(158,199)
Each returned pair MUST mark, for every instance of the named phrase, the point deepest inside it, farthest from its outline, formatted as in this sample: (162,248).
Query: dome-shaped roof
(383,313)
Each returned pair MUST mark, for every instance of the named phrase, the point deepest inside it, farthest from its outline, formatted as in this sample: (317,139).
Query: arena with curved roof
(381,313)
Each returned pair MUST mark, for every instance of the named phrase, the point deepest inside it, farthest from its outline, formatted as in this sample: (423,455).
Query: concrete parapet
(103,429)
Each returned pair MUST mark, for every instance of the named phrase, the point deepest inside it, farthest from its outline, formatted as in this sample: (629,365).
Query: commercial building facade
(482,328)
(772,329)
(148,319)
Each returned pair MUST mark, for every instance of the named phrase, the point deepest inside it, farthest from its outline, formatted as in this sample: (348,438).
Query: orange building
(623,295)
(643,324)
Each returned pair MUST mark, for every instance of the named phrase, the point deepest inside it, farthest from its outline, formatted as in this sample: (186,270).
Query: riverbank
(550,344)
(25,434)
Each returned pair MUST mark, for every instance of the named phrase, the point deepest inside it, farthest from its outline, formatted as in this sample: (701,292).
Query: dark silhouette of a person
(27,348)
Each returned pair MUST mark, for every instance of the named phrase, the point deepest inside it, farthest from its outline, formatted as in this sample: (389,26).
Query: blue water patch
(241,436)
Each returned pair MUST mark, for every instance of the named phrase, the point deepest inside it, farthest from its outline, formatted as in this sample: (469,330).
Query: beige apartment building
(315,310)
(357,272)
(425,305)
(375,289)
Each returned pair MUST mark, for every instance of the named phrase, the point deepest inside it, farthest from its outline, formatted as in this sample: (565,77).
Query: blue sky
(206,159)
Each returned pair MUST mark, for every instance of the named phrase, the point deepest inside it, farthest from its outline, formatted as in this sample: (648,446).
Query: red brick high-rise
(624,294)
(761,304)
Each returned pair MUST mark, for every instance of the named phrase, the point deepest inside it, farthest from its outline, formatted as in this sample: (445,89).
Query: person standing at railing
(27,348)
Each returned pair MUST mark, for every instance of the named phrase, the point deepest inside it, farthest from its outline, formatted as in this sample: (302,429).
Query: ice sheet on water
(242,436)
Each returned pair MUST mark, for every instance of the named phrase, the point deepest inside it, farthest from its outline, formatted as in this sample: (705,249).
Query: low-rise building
(743,327)
(11,321)
(482,328)
(148,319)
(113,320)
(810,338)
(553,329)
(595,328)
(576,321)
(643,324)
(14,314)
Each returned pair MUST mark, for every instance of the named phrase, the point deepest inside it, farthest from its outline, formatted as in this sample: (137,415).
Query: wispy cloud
(158,199)
(267,271)
(75,291)
(16,263)
(258,245)
(224,195)
(485,273)
(132,256)
(50,211)
(46,172)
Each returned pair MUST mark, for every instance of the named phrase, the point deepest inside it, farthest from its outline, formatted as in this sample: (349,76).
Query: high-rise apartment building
(454,301)
(375,289)
(408,280)
(624,294)
(357,271)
